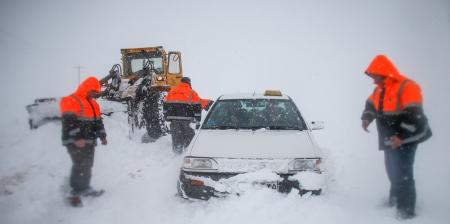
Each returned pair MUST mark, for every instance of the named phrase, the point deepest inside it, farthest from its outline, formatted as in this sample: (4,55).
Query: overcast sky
(315,51)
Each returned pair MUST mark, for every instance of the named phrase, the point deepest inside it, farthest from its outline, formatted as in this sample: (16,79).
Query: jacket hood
(382,66)
(87,85)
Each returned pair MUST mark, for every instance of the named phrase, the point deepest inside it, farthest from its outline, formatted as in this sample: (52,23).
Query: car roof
(252,96)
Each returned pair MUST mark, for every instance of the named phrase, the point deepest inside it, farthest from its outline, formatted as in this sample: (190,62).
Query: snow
(260,143)
(314,51)
(140,183)
(241,183)
(310,180)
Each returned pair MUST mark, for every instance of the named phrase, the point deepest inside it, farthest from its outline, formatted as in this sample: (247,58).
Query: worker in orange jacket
(185,100)
(81,126)
(396,105)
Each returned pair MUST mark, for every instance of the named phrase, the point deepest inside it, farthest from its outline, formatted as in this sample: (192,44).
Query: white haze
(314,51)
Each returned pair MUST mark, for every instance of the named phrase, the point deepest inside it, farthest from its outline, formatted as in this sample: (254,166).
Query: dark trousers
(399,166)
(82,162)
(182,134)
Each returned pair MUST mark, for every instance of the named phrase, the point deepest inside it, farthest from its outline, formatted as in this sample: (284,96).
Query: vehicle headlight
(159,78)
(304,164)
(199,163)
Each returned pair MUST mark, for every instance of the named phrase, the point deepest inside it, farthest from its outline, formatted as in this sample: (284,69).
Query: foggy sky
(315,51)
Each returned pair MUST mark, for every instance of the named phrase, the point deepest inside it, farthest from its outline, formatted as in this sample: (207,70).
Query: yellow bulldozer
(141,82)
(161,70)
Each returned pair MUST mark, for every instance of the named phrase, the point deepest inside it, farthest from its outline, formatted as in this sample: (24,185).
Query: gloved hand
(396,142)
(210,103)
(365,124)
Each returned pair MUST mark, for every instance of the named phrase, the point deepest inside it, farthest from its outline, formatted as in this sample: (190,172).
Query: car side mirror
(317,125)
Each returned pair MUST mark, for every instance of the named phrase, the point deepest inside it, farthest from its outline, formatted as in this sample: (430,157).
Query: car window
(137,62)
(254,114)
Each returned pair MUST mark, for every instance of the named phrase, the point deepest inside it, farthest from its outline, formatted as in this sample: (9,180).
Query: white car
(252,140)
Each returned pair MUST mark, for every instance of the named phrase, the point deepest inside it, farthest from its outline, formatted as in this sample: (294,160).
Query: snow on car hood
(264,144)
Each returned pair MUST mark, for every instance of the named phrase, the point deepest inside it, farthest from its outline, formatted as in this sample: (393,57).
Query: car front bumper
(190,187)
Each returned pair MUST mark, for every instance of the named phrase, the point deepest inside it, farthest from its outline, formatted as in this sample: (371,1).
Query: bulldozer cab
(164,69)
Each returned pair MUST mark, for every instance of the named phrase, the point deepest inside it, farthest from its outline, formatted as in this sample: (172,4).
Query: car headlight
(199,163)
(159,78)
(304,165)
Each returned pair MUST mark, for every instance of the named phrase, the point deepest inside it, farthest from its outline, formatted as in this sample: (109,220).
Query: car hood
(264,144)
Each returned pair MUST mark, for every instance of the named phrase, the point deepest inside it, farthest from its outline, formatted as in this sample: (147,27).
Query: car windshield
(254,114)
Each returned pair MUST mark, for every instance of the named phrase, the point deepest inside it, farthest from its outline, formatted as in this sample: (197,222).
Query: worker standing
(185,105)
(81,126)
(396,105)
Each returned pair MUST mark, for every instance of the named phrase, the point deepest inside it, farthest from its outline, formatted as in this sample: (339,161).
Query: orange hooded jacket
(400,92)
(401,113)
(183,93)
(78,104)
(81,115)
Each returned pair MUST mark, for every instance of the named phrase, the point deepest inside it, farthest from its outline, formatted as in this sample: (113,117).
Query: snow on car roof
(251,96)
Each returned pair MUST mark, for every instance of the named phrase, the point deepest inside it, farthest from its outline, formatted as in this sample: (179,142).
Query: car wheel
(32,124)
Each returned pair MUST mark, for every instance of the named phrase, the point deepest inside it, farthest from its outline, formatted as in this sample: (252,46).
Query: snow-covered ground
(140,183)
(314,51)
